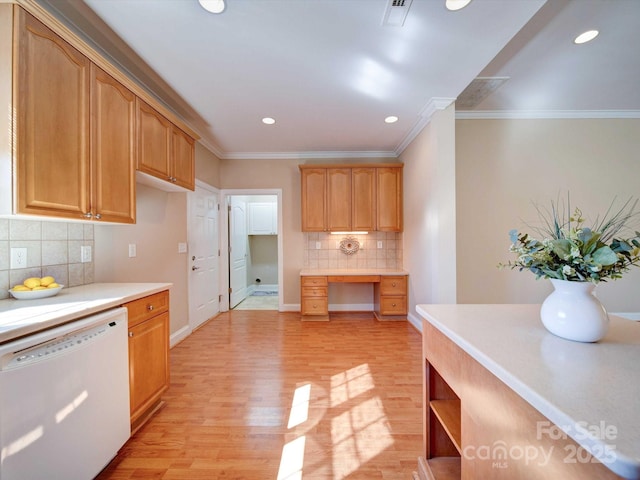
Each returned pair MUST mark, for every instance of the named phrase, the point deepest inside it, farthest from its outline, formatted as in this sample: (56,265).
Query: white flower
(575,252)
(568,271)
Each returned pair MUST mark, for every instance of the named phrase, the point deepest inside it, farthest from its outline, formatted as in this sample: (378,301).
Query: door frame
(224,240)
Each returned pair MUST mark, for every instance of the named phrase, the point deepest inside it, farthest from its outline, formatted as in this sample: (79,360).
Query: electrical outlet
(379,243)
(18,258)
(132,250)
(85,253)
(182,247)
(318,245)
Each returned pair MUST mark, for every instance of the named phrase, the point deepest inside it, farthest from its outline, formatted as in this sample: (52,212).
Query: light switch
(132,250)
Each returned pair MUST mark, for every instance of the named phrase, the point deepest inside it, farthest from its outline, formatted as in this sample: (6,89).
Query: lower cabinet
(390,297)
(148,355)
(314,296)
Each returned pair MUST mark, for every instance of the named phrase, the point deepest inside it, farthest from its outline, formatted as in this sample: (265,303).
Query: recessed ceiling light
(454,5)
(268,121)
(586,36)
(391,119)
(213,6)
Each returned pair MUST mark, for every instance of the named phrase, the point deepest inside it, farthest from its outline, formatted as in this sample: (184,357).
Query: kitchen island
(23,317)
(504,398)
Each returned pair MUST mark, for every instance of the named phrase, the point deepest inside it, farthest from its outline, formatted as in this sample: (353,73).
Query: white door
(204,272)
(238,251)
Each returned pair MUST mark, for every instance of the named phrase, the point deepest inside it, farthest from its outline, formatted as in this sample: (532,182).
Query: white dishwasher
(64,399)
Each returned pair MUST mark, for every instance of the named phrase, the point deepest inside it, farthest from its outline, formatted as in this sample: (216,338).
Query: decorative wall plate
(350,245)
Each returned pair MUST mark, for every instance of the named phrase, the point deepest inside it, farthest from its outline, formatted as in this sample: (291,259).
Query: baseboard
(178,336)
(415,321)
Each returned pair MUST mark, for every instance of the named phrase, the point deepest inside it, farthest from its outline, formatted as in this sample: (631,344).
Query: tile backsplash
(322,250)
(53,248)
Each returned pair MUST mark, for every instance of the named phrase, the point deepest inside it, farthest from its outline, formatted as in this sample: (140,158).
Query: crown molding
(424,117)
(304,155)
(544,114)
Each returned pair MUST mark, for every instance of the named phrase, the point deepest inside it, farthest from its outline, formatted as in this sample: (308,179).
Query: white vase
(572,311)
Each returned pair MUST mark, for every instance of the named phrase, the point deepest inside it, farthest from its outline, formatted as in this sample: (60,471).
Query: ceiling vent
(395,13)
(479,89)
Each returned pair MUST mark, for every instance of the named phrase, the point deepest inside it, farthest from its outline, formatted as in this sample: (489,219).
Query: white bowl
(33,294)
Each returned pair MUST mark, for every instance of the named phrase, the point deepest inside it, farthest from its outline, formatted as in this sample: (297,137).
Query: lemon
(46,281)
(53,285)
(21,288)
(32,282)
(38,288)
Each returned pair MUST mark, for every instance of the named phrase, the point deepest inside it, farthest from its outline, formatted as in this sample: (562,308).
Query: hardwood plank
(230,413)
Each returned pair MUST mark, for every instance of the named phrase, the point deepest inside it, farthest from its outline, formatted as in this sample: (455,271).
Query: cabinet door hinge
(230,290)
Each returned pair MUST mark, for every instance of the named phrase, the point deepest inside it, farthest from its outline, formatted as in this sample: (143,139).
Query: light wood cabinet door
(154,142)
(113,149)
(389,204)
(52,122)
(314,199)
(338,199)
(363,199)
(183,159)
(148,363)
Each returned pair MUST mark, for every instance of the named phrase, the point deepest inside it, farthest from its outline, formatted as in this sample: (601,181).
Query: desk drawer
(393,305)
(314,281)
(354,278)
(393,285)
(314,291)
(315,306)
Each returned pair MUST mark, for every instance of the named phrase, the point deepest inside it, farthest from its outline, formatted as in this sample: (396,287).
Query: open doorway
(254,249)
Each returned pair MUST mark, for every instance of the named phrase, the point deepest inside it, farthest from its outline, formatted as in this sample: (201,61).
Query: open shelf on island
(448,414)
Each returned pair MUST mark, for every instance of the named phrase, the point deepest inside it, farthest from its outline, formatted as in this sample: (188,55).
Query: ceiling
(329,71)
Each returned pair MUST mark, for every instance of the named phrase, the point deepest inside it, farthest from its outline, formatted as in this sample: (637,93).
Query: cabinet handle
(393,284)
(131,334)
(150,307)
(98,216)
(87,215)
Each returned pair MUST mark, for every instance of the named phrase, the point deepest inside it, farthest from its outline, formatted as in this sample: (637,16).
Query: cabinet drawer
(393,305)
(315,306)
(393,285)
(314,281)
(147,307)
(314,291)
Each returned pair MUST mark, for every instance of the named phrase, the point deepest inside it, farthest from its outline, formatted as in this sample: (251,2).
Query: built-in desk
(389,291)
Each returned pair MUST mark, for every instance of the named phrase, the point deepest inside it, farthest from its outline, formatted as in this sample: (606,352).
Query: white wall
(502,166)
(429,212)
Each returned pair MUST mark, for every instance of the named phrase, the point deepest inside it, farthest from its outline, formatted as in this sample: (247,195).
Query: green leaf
(562,248)
(605,256)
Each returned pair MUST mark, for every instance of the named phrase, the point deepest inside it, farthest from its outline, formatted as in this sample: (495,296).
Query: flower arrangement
(569,250)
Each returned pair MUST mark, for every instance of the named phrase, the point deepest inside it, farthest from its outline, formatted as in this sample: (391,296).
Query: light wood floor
(261,395)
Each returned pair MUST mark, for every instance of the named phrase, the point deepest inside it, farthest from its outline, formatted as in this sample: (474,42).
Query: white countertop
(352,271)
(21,317)
(580,387)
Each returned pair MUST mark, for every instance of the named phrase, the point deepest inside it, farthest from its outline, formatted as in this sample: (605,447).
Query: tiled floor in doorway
(258,302)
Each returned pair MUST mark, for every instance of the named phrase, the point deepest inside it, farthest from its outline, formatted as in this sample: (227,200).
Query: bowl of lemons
(35,287)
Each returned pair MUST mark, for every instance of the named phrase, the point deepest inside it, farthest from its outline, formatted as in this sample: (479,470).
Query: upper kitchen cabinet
(338,199)
(113,149)
(73,131)
(51,99)
(314,192)
(389,204)
(69,146)
(164,151)
(351,198)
